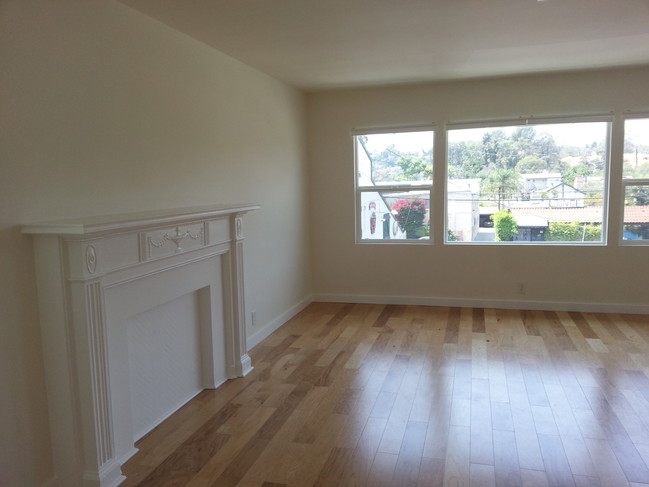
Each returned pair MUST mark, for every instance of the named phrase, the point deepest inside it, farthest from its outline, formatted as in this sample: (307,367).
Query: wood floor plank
(457,468)
(406,471)
(556,463)
(371,395)
(333,471)
(507,469)
(382,470)
(480,422)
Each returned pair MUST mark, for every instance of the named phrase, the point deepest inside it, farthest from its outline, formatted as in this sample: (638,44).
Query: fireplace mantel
(92,274)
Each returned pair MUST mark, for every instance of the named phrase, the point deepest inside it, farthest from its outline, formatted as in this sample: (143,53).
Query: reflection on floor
(376,395)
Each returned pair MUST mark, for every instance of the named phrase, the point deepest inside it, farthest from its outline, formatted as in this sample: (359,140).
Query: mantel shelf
(107,223)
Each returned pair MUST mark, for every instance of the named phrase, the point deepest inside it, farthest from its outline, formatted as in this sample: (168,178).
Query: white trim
(632,114)
(394,129)
(265,331)
(626,182)
(396,188)
(485,303)
(607,118)
(529,120)
(107,223)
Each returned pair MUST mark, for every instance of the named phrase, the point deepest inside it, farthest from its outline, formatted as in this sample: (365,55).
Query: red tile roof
(590,214)
(636,214)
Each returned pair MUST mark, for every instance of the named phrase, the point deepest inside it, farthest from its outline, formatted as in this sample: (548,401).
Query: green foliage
(637,196)
(414,169)
(505,226)
(465,159)
(499,150)
(393,164)
(451,236)
(640,170)
(502,182)
(573,232)
(583,169)
(423,231)
(530,164)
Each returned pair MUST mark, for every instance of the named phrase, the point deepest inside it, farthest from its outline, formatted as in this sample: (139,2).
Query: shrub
(573,232)
(410,215)
(505,226)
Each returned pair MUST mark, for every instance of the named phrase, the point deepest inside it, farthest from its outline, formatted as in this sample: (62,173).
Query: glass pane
(389,159)
(532,183)
(636,149)
(395,215)
(636,212)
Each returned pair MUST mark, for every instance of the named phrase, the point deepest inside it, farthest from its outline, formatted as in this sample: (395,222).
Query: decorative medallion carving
(239,227)
(91,259)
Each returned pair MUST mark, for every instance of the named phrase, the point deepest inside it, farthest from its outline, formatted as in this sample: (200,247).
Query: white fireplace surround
(94,274)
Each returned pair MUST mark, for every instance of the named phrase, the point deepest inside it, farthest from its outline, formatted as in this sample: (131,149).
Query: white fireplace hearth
(139,312)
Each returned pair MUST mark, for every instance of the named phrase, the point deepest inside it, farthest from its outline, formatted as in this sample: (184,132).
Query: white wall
(569,277)
(105,110)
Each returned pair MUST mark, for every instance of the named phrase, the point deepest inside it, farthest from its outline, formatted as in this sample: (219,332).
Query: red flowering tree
(410,215)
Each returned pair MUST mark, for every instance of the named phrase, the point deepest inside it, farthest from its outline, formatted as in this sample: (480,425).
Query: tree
(464,159)
(637,196)
(498,150)
(530,164)
(546,148)
(504,225)
(503,182)
(414,169)
(410,215)
(583,169)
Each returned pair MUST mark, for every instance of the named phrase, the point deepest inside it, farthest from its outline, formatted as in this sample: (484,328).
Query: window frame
(607,118)
(388,188)
(626,182)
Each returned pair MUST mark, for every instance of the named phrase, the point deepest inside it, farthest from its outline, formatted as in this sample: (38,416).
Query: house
(464,207)
(539,182)
(561,195)
(112,107)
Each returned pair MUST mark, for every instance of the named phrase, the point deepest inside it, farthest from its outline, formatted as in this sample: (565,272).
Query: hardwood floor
(374,395)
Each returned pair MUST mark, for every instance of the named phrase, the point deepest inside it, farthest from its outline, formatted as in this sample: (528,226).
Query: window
(635,228)
(394,178)
(542,183)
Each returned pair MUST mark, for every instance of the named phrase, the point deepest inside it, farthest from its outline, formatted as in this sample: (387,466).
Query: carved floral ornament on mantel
(177,238)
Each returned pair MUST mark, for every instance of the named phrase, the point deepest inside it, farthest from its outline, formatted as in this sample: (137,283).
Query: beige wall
(569,277)
(105,110)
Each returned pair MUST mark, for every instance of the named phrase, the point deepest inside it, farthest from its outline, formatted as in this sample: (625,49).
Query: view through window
(394,176)
(636,181)
(543,183)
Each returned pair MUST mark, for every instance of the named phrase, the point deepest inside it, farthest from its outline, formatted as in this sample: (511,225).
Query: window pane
(636,212)
(389,159)
(395,215)
(532,183)
(636,148)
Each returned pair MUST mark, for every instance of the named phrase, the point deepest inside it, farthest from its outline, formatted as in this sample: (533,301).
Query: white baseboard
(270,327)
(486,303)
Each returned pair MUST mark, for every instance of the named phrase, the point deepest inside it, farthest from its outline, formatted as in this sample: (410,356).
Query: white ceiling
(321,44)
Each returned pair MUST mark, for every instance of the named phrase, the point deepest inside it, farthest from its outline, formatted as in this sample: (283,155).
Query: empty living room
(300,243)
